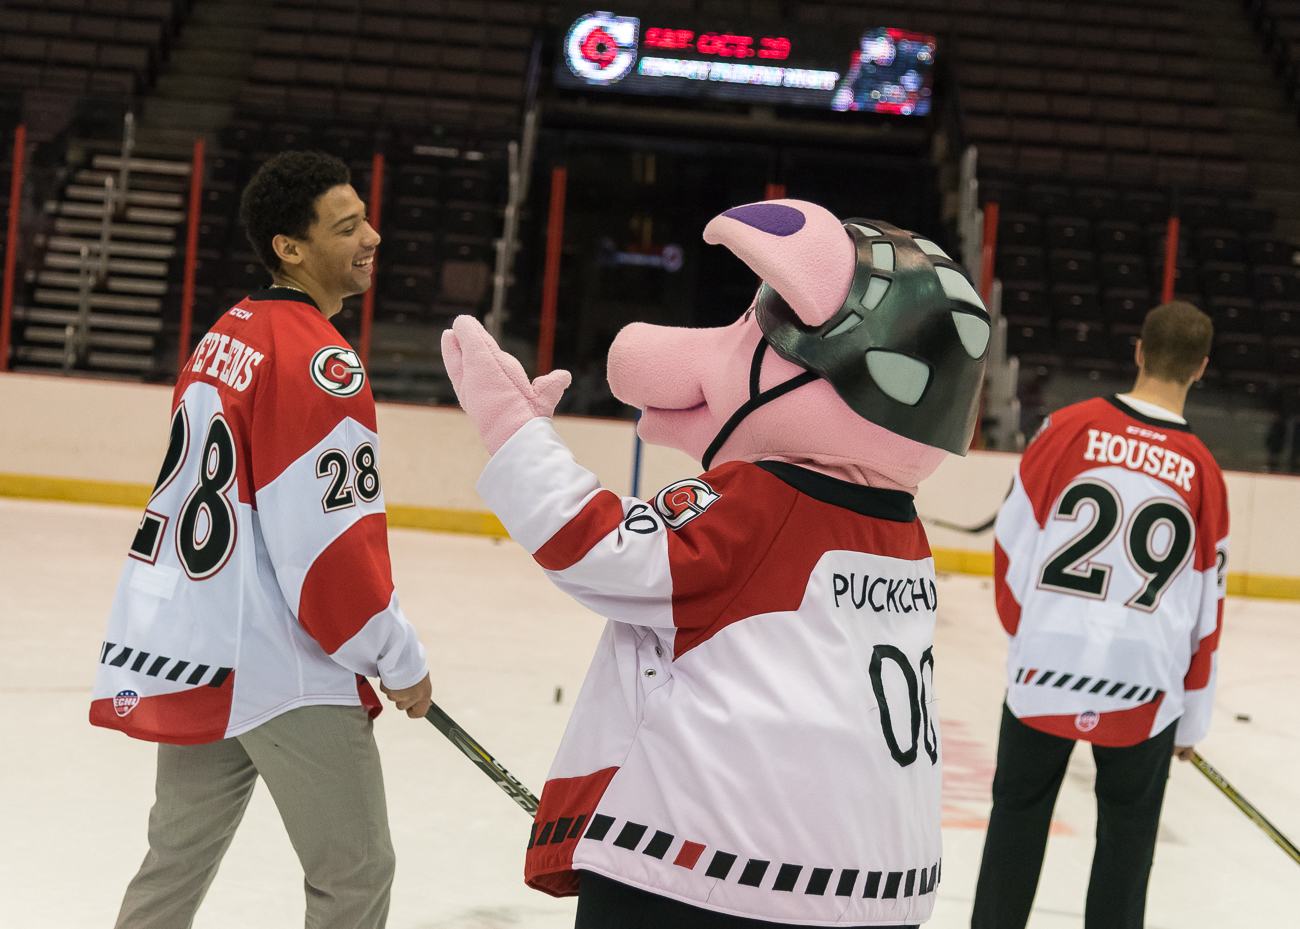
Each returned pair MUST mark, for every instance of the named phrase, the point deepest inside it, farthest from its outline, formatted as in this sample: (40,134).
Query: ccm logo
(681,502)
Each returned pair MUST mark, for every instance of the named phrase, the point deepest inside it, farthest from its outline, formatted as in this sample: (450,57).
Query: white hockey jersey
(1110,563)
(259,579)
(757,734)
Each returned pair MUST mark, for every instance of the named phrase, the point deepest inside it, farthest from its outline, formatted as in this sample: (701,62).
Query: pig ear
(799,248)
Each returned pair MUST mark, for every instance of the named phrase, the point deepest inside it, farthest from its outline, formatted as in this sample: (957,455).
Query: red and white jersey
(259,579)
(757,734)
(1110,562)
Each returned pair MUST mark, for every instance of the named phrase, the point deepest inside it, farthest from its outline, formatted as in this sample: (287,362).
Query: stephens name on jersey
(1110,562)
(258,580)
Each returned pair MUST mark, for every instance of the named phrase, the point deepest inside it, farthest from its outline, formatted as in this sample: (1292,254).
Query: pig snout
(658,366)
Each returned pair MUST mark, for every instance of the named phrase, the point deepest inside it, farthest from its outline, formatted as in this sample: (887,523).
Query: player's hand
(415,700)
(1184,752)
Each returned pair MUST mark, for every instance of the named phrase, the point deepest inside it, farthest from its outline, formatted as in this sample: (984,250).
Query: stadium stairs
(445,179)
(196,91)
(124,321)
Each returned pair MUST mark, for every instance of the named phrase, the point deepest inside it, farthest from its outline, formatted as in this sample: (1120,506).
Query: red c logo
(600,47)
(680,502)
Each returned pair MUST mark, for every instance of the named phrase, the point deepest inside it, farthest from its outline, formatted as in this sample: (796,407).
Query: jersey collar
(893,505)
(283,295)
(1127,410)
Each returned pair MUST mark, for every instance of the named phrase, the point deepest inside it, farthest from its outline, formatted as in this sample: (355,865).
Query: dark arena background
(549,168)
(486,153)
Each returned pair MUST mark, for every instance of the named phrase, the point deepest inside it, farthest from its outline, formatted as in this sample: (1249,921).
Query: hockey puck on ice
(1243,717)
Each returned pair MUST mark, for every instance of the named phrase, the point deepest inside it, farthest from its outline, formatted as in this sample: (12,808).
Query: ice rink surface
(74,799)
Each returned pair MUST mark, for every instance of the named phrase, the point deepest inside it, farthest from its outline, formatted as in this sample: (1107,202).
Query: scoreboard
(878,70)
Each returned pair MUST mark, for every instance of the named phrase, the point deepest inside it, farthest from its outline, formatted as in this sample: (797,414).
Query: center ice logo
(338,371)
(1086,721)
(681,502)
(601,47)
(125,702)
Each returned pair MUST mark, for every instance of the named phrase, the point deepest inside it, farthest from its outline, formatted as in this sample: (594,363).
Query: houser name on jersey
(1137,455)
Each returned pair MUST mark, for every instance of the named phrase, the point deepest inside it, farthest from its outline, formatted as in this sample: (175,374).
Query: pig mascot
(756,739)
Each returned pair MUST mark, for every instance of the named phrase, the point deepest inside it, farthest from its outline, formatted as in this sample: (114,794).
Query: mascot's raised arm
(757,735)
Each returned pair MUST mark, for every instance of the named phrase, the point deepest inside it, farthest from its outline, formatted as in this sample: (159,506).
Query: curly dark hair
(281,198)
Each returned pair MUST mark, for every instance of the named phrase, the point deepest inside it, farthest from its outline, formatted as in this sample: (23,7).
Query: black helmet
(906,350)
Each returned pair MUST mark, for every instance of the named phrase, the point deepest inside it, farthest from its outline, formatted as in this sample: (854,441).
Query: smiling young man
(257,596)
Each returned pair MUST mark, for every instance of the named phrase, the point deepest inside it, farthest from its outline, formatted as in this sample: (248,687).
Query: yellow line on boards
(74,490)
(1268,586)
(962,561)
(436,519)
(475,522)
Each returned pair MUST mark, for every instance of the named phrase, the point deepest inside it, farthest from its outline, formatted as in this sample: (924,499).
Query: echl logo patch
(338,371)
(125,702)
(1086,721)
(681,502)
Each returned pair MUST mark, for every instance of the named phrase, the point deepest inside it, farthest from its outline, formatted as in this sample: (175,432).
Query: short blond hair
(1176,338)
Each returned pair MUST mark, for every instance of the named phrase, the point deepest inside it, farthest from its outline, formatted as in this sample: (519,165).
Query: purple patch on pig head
(772,218)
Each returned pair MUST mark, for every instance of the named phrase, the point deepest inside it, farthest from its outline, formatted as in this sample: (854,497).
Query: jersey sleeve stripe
(534,484)
(347,584)
(1198,672)
(601,516)
(1007,606)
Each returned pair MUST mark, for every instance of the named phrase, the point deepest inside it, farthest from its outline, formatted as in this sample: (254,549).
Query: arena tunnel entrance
(635,207)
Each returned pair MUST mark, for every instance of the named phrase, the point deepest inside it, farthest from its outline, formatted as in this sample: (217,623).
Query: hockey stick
(1244,805)
(973,530)
(477,754)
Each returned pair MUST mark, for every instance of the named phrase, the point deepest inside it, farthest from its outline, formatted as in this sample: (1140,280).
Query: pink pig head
(690,382)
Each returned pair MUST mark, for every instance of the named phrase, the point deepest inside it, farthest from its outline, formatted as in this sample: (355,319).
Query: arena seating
(1079,273)
(1086,117)
(1091,121)
(1088,120)
(417,62)
(1092,92)
(448,79)
(103,48)
(1278,23)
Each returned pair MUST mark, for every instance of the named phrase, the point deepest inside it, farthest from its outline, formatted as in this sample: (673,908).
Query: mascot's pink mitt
(757,736)
(491,384)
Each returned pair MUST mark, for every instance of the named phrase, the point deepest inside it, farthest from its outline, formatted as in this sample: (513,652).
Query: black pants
(1130,790)
(606,904)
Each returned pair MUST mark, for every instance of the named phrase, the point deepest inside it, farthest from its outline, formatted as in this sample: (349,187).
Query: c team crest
(337,371)
(680,502)
(601,48)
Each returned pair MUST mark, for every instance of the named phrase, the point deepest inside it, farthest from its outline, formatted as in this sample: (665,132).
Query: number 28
(333,464)
(208,528)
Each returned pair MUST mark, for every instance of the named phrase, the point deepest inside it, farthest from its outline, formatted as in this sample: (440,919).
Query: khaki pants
(321,766)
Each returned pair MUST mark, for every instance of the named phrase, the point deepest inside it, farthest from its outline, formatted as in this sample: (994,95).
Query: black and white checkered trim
(154,668)
(1107,687)
(755,872)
